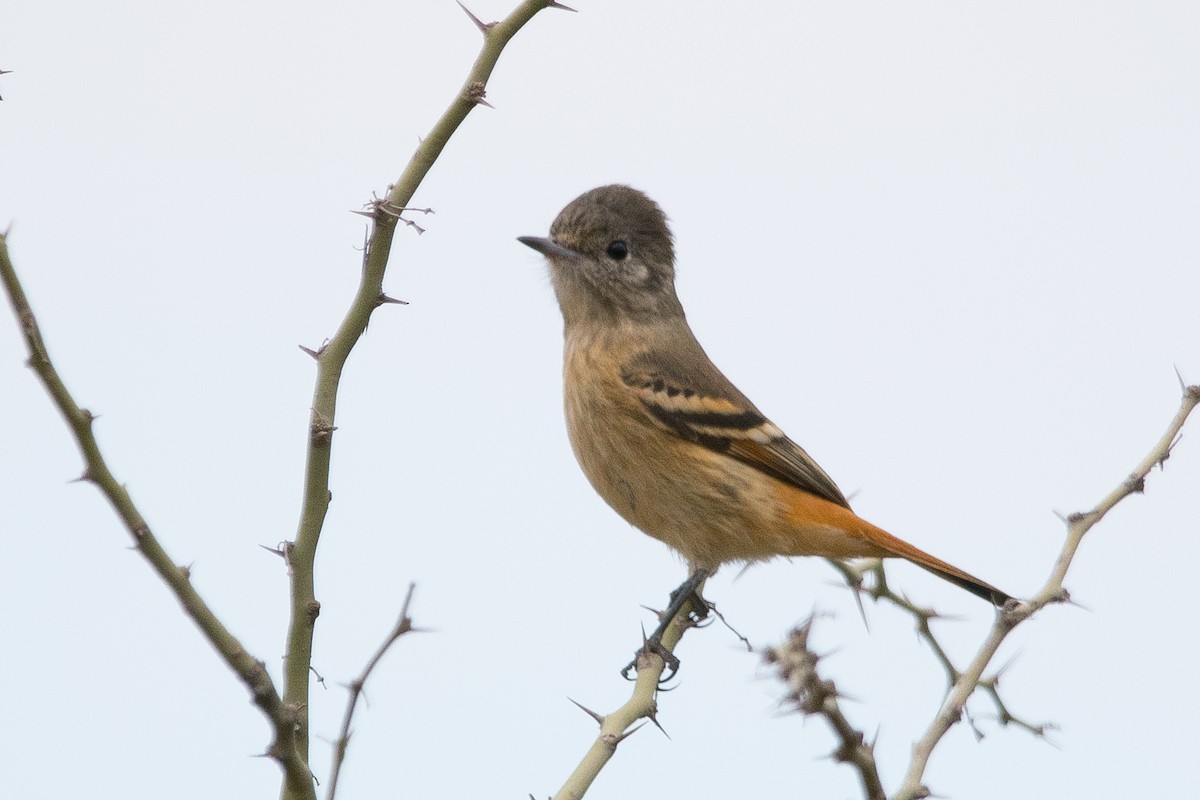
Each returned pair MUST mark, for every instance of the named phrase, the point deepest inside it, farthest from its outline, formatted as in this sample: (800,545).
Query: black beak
(550,248)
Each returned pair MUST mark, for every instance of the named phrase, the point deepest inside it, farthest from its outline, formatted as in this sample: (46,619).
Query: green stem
(331,360)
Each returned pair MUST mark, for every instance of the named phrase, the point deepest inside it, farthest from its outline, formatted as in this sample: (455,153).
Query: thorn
(321,432)
(656,613)
(1071,601)
(975,729)
(839,755)
(315,353)
(555,4)
(1170,449)
(838,694)
(366,214)
(383,298)
(186,571)
(993,680)
(827,654)
(653,716)
(85,477)
(476,92)
(862,612)
(598,717)
(279,550)
(484,27)
(622,737)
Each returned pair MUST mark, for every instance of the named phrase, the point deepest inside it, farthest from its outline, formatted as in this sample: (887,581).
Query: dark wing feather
(691,398)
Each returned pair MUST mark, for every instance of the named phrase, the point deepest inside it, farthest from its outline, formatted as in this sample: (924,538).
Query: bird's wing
(691,398)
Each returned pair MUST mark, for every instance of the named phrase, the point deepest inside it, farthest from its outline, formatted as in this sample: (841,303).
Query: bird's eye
(617,250)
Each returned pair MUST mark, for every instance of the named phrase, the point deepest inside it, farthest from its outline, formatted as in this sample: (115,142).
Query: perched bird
(665,438)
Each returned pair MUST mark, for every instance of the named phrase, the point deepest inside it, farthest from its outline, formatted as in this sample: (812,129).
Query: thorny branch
(642,704)
(331,357)
(963,682)
(358,685)
(811,694)
(288,714)
(252,672)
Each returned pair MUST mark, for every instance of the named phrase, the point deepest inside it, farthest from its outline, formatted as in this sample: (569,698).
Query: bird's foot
(686,601)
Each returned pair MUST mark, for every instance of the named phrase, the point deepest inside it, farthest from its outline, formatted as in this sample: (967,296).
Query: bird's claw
(652,646)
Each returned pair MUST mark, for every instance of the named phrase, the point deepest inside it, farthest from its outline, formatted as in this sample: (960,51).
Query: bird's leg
(687,593)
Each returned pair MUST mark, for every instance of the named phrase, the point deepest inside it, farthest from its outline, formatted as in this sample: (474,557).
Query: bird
(662,435)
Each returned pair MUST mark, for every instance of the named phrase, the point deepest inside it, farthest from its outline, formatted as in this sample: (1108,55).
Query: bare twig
(991,686)
(403,625)
(1012,615)
(252,672)
(331,359)
(812,695)
(289,714)
(879,590)
(963,682)
(642,704)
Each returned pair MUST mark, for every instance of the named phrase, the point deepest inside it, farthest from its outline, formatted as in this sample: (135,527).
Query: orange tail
(902,549)
(809,514)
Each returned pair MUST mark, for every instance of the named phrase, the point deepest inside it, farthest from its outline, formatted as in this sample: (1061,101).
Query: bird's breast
(707,506)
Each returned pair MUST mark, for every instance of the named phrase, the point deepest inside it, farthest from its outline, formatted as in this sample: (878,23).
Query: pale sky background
(951,248)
